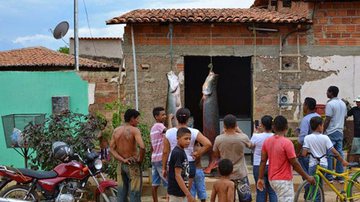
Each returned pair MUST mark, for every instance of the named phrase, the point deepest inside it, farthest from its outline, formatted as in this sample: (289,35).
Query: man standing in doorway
(335,112)
(123,146)
(309,109)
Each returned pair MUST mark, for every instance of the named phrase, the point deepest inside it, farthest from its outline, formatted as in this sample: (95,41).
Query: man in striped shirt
(157,135)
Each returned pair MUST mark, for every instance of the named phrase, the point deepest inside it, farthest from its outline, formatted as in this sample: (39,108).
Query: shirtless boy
(123,145)
(224,187)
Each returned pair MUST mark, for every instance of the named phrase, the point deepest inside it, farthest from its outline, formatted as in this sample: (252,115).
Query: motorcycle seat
(37,174)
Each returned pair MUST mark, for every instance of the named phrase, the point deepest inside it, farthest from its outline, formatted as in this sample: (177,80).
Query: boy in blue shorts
(198,185)
(157,134)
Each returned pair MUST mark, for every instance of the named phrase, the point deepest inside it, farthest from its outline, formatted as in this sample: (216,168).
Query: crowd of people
(177,151)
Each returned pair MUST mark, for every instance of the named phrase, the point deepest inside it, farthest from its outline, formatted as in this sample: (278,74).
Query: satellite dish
(61,30)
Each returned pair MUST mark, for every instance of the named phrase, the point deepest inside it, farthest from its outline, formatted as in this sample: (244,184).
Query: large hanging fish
(173,102)
(211,127)
(210,107)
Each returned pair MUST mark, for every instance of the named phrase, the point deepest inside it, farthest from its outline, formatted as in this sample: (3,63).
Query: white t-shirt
(172,137)
(318,145)
(258,140)
(336,109)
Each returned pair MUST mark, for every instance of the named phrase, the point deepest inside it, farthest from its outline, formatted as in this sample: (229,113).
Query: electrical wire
(88,23)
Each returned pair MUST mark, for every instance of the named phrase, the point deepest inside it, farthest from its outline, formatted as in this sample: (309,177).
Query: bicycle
(350,192)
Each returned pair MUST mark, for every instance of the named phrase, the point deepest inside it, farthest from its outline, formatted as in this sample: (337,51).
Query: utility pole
(76,37)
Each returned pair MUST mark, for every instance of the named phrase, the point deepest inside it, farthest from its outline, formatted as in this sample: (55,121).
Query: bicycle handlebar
(351,164)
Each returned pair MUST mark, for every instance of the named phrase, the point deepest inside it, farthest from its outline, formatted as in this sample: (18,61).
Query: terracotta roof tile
(229,15)
(43,57)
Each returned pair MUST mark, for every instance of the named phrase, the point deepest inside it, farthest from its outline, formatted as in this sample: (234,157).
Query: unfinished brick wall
(298,7)
(337,23)
(268,86)
(105,91)
(199,34)
(152,83)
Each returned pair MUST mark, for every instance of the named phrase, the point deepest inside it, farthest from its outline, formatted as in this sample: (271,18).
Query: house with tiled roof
(38,80)
(43,59)
(269,57)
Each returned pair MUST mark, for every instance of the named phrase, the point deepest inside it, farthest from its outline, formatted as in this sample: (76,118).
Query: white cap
(357,99)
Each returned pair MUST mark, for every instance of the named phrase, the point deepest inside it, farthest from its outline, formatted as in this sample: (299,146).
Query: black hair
(182,115)
(230,121)
(131,113)
(280,124)
(310,103)
(315,122)
(266,121)
(225,167)
(157,110)
(333,90)
(182,131)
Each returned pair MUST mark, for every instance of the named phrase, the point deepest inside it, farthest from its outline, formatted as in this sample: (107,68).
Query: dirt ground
(330,196)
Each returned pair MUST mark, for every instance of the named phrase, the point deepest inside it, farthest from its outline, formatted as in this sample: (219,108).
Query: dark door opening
(234,86)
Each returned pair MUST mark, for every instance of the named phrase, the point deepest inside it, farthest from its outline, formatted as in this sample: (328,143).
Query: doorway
(234,88)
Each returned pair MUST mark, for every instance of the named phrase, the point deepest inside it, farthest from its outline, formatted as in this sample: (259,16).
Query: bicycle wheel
(303,194)
(354,187)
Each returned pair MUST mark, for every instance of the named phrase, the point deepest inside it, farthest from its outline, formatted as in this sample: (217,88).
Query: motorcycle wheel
(18,192)
(111,193)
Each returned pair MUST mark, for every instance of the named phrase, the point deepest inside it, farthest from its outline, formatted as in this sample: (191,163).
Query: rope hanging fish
(173,102)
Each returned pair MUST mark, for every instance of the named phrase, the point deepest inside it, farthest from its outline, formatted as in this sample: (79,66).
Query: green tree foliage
(64,50)
(77,130)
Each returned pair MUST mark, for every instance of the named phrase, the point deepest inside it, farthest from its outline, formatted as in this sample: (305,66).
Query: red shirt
(279,150)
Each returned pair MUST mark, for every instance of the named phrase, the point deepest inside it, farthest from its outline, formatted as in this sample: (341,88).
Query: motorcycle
(66,182)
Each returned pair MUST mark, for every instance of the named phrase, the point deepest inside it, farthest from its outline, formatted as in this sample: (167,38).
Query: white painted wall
(110,48)
(346,77)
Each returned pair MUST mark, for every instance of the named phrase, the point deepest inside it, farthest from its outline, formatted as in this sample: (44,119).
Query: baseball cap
(357,99)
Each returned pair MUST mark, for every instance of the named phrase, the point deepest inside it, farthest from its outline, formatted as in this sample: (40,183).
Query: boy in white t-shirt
(318,144)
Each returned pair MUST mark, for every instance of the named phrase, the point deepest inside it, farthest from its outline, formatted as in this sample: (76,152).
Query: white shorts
(284,190)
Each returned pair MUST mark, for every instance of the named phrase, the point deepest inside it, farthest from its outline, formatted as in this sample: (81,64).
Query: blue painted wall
(31,92)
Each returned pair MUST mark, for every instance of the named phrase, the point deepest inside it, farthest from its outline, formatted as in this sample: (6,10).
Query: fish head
(173,81)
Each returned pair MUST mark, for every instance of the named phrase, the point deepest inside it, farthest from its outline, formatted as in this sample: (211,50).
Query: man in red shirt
(282,158)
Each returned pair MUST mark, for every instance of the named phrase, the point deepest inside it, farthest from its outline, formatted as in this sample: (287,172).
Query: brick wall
(105,91)
(299,7)
(199,34)
(337,23)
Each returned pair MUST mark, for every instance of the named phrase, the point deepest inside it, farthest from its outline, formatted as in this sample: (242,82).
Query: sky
(28,23)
